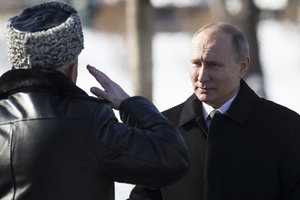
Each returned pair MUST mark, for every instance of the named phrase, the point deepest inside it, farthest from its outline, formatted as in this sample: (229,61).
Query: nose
(203,75)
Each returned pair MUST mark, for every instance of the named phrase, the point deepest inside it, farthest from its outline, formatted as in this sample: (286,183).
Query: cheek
(193,75)
(228,83)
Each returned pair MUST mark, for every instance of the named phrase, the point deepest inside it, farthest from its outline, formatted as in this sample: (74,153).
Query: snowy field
(279,45)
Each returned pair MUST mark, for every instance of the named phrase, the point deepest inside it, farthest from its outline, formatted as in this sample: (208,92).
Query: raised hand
(112,91)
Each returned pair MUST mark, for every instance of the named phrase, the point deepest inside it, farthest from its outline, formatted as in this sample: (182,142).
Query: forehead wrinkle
(203,48)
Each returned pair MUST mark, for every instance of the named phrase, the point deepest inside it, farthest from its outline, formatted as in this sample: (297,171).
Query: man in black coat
(249,149)
(56,142)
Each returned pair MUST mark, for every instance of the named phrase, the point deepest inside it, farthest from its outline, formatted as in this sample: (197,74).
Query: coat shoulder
(173,113)
(275,109)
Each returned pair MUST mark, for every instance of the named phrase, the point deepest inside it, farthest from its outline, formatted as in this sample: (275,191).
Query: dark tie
(211,116)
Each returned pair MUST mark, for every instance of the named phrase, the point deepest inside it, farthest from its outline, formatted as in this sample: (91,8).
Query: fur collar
(20,80)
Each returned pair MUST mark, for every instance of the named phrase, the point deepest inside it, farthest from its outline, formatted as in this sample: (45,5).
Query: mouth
(201,86)
(202,90)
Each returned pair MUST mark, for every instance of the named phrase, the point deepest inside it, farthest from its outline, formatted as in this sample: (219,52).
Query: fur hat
(47,35)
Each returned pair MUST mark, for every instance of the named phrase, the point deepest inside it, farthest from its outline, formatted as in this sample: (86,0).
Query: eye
(213,64)
(196,63)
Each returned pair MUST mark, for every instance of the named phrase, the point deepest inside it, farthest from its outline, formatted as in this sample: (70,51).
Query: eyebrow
(206,61)
(195,60)
(213,62)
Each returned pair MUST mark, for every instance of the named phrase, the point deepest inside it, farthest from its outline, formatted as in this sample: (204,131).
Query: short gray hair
(239,41)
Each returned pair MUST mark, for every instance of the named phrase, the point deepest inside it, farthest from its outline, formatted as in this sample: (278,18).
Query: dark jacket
(58,143)
(252,152)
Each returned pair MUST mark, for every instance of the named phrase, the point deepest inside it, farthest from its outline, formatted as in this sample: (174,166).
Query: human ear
(244,65)
(72,72)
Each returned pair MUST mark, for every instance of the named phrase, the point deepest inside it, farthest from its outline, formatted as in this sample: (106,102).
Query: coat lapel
(193,110)
(243,105)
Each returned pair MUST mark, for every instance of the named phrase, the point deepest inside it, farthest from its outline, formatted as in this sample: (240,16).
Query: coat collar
(243,105)
(192,109)
(239,110)
(19,80)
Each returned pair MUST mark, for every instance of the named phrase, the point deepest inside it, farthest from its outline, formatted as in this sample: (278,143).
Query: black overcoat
(57,143)
(251,152)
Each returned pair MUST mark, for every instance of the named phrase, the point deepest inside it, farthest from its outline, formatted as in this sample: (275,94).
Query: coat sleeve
(290,166)
(145,193)
(146,149)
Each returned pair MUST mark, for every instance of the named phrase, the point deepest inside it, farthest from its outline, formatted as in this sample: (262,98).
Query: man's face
(215,70)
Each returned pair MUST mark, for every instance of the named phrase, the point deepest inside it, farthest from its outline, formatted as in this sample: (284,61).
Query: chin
(202,97)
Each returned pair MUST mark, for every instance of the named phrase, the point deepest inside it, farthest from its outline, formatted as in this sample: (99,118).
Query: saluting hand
(112,91)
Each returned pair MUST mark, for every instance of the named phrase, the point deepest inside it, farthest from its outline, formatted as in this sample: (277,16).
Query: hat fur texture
(54,47)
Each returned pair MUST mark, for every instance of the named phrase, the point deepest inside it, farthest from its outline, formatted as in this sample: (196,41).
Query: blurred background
(144,45)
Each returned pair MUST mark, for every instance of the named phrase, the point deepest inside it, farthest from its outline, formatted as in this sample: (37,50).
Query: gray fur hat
(47,35)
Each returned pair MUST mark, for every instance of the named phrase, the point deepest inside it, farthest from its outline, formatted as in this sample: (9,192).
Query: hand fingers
(99,76)
(102,79)
(99,93)
(107,84)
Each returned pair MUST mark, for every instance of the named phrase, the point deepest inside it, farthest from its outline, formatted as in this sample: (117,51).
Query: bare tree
(292,11)
(139,29)
(245,15)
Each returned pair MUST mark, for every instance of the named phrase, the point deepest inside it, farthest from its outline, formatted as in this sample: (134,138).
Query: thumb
(99,93)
